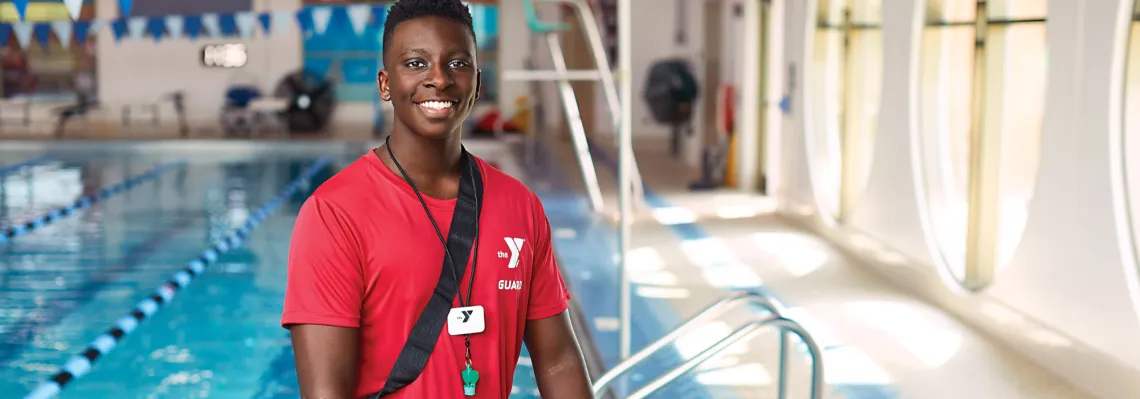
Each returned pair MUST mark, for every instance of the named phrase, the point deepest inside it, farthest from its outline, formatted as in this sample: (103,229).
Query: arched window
(847,84)
(1131,148)
(983,102)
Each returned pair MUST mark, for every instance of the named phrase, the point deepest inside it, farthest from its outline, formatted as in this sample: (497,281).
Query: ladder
(776,318)
(562,76)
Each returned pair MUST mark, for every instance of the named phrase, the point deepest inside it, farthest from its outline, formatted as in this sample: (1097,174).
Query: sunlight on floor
(926,339)
(798,253)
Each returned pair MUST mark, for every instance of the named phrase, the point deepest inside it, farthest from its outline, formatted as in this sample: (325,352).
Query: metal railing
(719,307)
(562,76)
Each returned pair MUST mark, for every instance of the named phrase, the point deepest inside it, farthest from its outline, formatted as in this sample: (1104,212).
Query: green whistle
(470,377)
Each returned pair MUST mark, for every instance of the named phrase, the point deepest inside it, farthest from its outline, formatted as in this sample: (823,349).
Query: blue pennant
(81,29)
(266,21)
(42,33)
(193,26)
(119,28)
(157,27)
(21,7)
(125,7)
(5,34)
(305,20)
(228,25)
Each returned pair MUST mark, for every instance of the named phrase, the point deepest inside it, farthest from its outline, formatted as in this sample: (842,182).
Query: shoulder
(508,187)
(343,193)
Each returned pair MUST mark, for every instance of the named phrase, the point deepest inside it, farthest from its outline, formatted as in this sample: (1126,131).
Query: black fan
(312,100)
(671,91)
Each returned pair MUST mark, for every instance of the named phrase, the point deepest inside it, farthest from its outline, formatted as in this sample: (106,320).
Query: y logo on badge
(515,245)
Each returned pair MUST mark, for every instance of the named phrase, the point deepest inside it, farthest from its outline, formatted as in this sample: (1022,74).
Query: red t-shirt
(364,255)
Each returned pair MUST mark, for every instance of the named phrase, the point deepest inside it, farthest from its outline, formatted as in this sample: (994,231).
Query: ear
(382,85)
(478,83)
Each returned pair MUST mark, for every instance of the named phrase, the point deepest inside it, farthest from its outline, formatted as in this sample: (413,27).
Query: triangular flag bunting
(156,27)
(228,24)
(96,26)
(119,29)
(125,7)
(359,14)
(21,8)
(136,26)
(282,20)
(265,19)
(42,33)
(321,18)
(5,34)
(23,32)
(304,20)
(74,8)
(212,25)
(174,26)
(62,31)
(81,29)
(245,22)
(193,27)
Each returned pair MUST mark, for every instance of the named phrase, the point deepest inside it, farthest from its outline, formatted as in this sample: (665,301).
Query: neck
(424,160)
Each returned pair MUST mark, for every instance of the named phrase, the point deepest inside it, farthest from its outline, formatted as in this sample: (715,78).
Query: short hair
(405,10)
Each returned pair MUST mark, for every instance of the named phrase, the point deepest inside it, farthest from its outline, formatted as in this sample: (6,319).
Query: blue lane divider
(6,170)
(84,202)
(80,364)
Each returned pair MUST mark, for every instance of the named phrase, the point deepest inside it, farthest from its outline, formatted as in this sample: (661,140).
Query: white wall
(1068,298)
(140,70)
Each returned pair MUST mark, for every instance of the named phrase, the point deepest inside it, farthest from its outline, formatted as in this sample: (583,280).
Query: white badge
(466,320)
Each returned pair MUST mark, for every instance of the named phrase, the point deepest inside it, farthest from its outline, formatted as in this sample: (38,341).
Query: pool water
(64,283)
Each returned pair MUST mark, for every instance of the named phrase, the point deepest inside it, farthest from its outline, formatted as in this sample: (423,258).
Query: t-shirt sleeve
(325,280)
(548,295)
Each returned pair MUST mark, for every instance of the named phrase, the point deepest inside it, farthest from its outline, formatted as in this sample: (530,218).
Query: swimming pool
(155,207)
(66,282)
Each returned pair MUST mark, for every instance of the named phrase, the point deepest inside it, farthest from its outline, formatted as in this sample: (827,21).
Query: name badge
(466,320)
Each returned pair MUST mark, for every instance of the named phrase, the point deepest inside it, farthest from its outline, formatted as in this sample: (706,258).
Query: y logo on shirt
(515,246)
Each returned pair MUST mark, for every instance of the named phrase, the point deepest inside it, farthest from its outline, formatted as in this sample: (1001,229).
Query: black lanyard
(463,235)
(469,173)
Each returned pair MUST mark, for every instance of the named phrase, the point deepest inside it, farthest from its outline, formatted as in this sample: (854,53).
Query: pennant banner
(62,30)
(175,26)
(42,32)
(359,15)
(321,17)
(21,8)
(311,21)
(125,7)
(23,32)
(74,8)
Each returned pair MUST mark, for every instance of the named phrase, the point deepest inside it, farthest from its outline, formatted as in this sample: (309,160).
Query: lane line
(81,364)
(85,201)
(21,333)
(7,170)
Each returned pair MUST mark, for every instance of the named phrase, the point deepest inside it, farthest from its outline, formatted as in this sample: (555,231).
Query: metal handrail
(747,331)
(717,308)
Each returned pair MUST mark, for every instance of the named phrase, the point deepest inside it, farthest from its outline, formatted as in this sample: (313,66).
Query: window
(353,60)
(983,89)
(51,72)
(847,88)
(1131,147)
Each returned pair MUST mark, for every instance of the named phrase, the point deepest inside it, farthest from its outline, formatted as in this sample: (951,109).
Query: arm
(323,297)
(558,363)
(326,359)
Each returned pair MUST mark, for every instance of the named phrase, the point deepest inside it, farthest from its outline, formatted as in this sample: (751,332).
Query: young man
(368,261)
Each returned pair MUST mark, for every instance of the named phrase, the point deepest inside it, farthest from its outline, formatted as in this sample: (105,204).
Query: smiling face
(430,76)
